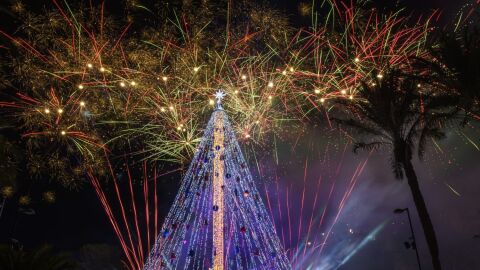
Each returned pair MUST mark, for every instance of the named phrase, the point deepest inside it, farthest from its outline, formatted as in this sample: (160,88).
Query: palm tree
(454,61)
(43,258)
(393,114)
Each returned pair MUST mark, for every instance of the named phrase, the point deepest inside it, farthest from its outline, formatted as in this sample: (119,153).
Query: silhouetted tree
(98,257)
(454,64)
(43,258)
(393,114)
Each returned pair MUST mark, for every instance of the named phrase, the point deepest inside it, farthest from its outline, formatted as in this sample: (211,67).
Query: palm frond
(371,146)
(359,126)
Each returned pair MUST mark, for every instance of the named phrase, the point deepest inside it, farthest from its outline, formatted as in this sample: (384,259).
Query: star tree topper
(219,95)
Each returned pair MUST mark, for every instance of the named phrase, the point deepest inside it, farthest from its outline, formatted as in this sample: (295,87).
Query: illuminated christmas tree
(218,220)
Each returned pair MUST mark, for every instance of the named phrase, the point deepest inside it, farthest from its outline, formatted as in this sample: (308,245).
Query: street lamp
(414,246)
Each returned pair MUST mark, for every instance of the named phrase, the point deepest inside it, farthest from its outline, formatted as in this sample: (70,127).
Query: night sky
(449,180)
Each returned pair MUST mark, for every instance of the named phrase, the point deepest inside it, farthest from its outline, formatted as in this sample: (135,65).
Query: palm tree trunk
(427,225)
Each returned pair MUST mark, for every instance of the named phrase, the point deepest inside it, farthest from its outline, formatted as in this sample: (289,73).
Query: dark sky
(77,217)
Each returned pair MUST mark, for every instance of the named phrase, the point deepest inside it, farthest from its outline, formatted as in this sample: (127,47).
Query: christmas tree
(218,220)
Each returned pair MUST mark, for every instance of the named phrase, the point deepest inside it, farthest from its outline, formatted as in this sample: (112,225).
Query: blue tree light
(218,220)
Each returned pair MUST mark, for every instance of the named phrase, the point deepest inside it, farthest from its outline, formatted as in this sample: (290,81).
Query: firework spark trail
(25,45)
(345,197)
(279,208)
(158,90)
(265,88)
(453,190)
(314,207)
(155,199)
(108,210)
(289,220)
(300,247)
(462,18)
(268,202)
(124,216)
(302,201)
(322,218)
(131,240)
(367,48)
(145,196)
(470,141)
(132,197)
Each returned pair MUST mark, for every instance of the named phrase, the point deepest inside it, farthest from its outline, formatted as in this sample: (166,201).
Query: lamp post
(399,211)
